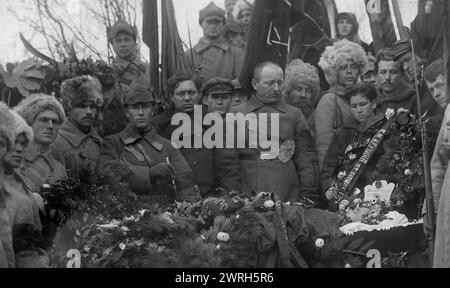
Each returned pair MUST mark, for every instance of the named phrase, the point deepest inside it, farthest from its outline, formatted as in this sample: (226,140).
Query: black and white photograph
(221,140)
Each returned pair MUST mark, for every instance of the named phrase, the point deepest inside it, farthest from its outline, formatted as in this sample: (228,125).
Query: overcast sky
(11,49)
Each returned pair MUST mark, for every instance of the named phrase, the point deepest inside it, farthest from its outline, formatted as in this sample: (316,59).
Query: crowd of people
(43,140)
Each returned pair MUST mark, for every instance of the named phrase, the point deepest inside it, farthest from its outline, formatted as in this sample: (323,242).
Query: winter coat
(299,176)
(402,97)
(7,259)
(440,178)
(42,168)
(121,157)
(80,150)
(23,212)
(332,112)
(213,168)
(216,59)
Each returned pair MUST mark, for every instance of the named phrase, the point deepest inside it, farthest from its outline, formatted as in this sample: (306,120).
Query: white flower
(269,204)
(348,266)
(122,246)
(342,174)
(352,157)
(344,204)
(390,113)
(409,172)
(142,212)
(320,243)
(223,237)
(125,229)
(357,192)
(218,247)
(45,186)
(357,201)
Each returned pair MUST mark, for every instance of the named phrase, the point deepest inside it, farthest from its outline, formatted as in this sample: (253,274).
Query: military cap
(138,93)
(217,85)
(233,27)
(400,48)
(212,11)
(121,26)
(371,65)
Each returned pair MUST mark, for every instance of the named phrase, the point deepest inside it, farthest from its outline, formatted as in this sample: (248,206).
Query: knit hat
(80,90)
(35,104)
(212,11)
(240,6)
(21,127)
(337,55)
(299,72)
(121,26)
(7,125)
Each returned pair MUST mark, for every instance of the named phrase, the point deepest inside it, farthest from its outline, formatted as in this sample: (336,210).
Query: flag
(268,38)
(382,26)
(150,38)
(173,59)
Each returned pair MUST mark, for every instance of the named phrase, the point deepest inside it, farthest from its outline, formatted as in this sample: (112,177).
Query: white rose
(269,204)
(320,243)
(122,246)
(389,113)
(348,266)
(223,237)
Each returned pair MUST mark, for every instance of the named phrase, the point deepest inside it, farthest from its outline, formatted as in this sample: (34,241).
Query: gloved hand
(162,170)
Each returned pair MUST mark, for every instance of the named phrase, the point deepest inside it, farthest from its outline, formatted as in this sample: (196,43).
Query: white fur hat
(21,127)
(6,124)
(30,108)
(240,6)
(337,55)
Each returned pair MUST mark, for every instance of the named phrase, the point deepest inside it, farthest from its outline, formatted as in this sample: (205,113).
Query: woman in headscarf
(347,27)
(242,14)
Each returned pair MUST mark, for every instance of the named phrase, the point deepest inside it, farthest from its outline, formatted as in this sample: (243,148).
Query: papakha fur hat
(79,90)
(21,127)
(240,6)
(35,104)
(6,125)
(299,72)
(337,55)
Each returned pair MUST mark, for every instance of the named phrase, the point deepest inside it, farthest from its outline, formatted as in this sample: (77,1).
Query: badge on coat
(287,151)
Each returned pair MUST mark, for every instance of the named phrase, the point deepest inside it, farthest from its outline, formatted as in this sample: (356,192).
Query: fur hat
(240,6)
(212,11)
(337,55)
(81,90)
(21,127)
(121,26)
(30,108)
(299,72)
(6,124)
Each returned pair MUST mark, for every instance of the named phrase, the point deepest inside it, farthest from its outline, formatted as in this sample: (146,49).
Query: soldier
(7,259)
(293,178)
(370,75)
(393,91)
(142,158)
(217,94)
(214,169)
(213,56)
(239,96)
(127,69)
(43,165)
(233,34)
(77,140)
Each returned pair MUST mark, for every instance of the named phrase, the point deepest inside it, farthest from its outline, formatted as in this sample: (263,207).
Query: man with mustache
(293,177)
(42,165)
(393,91)
(214,169)
(213,56)
(144,160)
(77,140)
